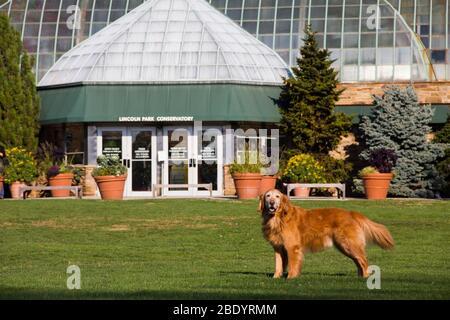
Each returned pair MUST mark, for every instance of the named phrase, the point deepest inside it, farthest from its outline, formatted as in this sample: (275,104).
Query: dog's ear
(262,204)
(285,204)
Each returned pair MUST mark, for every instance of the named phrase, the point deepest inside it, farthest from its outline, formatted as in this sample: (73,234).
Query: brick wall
(228,183)
(427,92)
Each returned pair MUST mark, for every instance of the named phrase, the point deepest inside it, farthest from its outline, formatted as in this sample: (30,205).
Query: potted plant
(60,176)
(303,168)
(269,176)
(268,182)
(21,170)
(247,179)
(377,177)
(110,176)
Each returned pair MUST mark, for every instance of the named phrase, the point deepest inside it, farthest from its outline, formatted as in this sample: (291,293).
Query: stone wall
(361,93)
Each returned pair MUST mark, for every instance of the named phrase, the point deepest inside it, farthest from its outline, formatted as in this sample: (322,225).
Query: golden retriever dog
(292,231)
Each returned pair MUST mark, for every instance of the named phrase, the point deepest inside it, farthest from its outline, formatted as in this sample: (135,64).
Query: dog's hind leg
(354,249)
(284,256)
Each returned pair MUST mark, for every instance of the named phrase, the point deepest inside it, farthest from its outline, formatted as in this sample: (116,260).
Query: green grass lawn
(207,249)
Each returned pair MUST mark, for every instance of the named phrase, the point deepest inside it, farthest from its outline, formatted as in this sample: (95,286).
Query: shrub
(21,167)
(109,166)
(443,165)
(48,155)
(399,123)
(245,168)
(335,170)
(249,163)
(303,168)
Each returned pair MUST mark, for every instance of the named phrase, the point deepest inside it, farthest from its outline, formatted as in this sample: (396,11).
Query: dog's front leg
(295,261)
(280,262)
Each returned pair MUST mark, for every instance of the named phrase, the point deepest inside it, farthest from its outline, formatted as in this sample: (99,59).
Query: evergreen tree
(307,102)
(443,135)
(19,102)
(400,123)
(443,166)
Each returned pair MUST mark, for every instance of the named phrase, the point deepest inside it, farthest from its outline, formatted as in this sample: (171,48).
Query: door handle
(192,163)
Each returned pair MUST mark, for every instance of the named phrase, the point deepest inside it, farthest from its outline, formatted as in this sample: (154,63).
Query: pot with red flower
(377,177)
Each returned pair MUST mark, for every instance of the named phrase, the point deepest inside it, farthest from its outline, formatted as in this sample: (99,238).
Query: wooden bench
(207,186)
(75,189)
(339,186)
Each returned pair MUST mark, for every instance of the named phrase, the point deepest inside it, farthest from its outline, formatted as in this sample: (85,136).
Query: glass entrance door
(209,159)
(142,166)
(193,156)
(136,148)
(179,162)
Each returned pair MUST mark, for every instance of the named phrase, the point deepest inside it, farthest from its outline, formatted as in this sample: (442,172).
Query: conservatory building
(120,76)
(162,88)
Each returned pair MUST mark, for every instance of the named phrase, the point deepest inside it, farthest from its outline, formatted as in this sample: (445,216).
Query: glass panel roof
(169,41)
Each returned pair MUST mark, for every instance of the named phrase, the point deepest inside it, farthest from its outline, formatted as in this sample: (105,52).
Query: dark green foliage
(19,102)
(307,102)
(443,135)
(398,122)
(443,166)
(336,170)
(109,166)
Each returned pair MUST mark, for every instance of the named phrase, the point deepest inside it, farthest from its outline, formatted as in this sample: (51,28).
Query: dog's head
(273,202)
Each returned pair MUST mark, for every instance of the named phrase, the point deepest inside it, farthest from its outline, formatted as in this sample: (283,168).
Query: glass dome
(169,41)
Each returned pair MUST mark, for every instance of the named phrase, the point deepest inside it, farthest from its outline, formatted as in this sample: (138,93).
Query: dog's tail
(375,232)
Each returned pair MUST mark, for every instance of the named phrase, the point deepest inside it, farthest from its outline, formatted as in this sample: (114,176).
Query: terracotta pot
(15,189)
(376,185)
(61,180)
(267,183)
(247,185)
(301,192)
(111,187)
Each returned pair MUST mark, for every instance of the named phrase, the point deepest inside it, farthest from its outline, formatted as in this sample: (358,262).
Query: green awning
(199,102)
